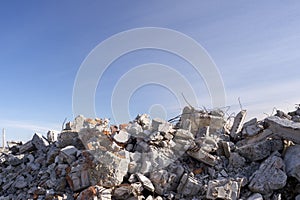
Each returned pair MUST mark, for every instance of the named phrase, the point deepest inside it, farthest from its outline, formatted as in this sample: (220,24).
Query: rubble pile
(201,156)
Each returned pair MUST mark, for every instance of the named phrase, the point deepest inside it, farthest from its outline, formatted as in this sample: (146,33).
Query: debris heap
(201,156)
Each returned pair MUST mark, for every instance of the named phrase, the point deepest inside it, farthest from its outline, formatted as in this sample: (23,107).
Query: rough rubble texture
(199,155)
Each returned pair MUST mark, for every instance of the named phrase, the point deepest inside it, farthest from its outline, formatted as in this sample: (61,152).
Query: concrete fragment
(284,128)
(52,136)
(69,150)
(226,148)
(51,154)
(238,123)
(202,156)
(223,189)
(167,179)
(283,115)
(94,139)
(110,167)
(69,153)
(200,119)
(270,175)
(39,142)
(160,158)
(251,128)
(156,122)
(135,129)
(207,143)
(144,120)
(250,123)
(121,137)
(146,182)
(260,150)
(67,138)
(292,161)
(78,178)
(188,185)
(27,147)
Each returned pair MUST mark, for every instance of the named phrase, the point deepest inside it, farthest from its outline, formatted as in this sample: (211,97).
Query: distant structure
(3,139)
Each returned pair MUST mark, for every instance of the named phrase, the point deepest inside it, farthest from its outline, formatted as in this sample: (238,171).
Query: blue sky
(255,45)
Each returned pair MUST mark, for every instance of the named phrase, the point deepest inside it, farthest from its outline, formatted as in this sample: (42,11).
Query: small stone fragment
(146,182)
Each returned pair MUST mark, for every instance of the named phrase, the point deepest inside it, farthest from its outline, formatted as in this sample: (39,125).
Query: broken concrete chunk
(208,144)
(52,136)
(270,175)
(146,182)
(161,125)
(94,139)
(69,153)
(223,189)
(187,125)
(283,115)
(292,161)
(121,137)
(251,128)
(67,138)
(69,150)
(78,178)
(202,156)
(144,120)
(39,142)
(200,119)
(250,123)
(238,123)
(110,168)
(51,154)
(135,129)
(260,150)
(27,147)
(188,185)
(160,179)
(284,128)
(226,148)
(167,179)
